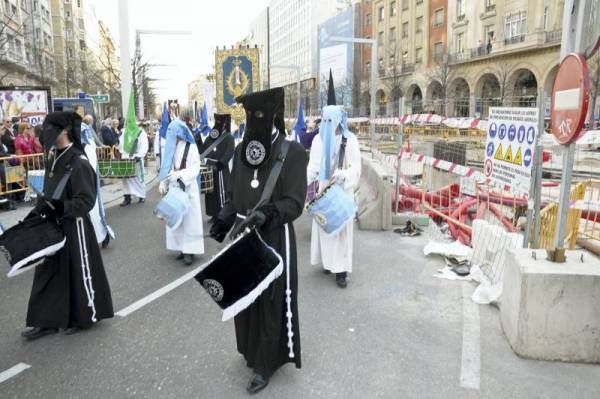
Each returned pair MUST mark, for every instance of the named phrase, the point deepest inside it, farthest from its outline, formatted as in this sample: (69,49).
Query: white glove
(339,176)
(163,187)
(174,176)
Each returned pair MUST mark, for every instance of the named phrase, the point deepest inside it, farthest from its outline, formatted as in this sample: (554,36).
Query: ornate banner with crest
(236,73)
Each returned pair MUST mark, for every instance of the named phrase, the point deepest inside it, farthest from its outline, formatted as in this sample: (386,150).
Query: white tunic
(136,185)
(100,228)
(188,236)
(334,251)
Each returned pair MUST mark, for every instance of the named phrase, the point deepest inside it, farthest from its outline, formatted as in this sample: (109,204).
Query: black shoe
(325,271)
(340,279)
(72,330)
(37,332)
(180,256)
(126,200)
(188,259)
(257,383)
(141,200)
(106,241)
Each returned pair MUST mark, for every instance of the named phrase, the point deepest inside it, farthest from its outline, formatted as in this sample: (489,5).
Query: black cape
(221,155)
(261,330)
(61,296)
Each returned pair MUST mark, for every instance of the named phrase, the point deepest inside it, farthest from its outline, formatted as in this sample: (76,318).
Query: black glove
(58,211)
(254,220)
(218,230)
(211,163)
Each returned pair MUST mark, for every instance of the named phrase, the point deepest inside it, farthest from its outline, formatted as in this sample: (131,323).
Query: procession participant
(98,217)
(135,185)
(263,334)
(218,160)
(334,251)
(70,289)
(181,166)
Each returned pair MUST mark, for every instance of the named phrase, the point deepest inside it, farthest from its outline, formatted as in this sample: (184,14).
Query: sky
(211,23)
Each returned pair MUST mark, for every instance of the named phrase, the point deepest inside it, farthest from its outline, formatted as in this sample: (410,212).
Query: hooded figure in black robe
(261,329)
(218,159)
(70,289)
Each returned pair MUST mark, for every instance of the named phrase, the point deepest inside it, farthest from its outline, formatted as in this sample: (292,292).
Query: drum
(207,184)
(173,207)
(29,242)
(332,208)
(237,275)
(35,179)
(118,168)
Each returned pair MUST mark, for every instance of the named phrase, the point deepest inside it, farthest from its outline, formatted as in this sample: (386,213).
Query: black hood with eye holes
(222,123)
(55,123)
(264,110)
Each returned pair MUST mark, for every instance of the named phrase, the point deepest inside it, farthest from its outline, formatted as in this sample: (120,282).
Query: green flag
(132,130)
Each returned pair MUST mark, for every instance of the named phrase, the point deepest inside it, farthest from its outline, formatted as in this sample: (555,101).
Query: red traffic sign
(570,99)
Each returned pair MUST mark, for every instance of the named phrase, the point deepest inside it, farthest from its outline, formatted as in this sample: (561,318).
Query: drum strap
(342,154)
(60,187)
(273,176)
(184,158)
(214,144)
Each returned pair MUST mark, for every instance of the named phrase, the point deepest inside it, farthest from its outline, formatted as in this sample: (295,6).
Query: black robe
(261,329)
(221,155)
(61,297)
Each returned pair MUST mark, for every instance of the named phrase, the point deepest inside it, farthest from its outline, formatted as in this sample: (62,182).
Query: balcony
(553,36)
(469,54)
(514,40)
(408,68)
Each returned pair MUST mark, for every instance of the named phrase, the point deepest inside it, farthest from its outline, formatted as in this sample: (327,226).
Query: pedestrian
(88,126)
(97,215)
(263,334)
(334,251)
(218,160)
(25,142)
(135,185)
(109,135)
(7,137)
(180,167)
(4,158)
(489,46)
(70,290)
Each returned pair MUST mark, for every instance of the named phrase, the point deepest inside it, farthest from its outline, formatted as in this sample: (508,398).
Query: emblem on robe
(214,289)
(237,81)
(214,134)
(320,218)
(255,152)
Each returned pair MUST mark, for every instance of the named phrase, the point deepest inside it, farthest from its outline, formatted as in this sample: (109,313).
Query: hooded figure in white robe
(135,185)
(98,217)
(187,238)
(334,251)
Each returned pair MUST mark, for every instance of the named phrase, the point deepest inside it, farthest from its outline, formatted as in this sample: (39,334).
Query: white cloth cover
(100,228)
(135,185)
(334,251)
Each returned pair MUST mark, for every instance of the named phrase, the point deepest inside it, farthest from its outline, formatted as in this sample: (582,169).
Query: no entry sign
(570,99)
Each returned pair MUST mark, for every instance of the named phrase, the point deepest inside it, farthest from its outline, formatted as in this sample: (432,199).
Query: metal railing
(514,40)
(553,36)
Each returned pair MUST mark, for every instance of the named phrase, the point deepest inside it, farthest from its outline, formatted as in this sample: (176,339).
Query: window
(490,5)
(460,9)
(418,55)
(79,3)
(515,26)
(419,25)
(546,17)
(405,30)
(380,38)
(367,68)
(380,14)
(404,5)
(13,10)
(81,23)
(392,34)
(368,19)
(392,8)
(67,14)
(392,60)
(438,18)
(438,51)
(489,33)
(460,37)
(82,44)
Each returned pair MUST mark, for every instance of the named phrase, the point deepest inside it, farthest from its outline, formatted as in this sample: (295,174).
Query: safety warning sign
(510,147)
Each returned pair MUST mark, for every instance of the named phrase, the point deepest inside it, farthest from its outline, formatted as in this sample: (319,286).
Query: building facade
(203,91)
(26,43)
(258,36)
(459,57)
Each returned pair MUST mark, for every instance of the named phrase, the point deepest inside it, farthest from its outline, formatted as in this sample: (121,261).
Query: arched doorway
(435,98)
(459,95)
(414,100)
(381,103)
(525,88)
(394,103)
(366,104)
(488,94)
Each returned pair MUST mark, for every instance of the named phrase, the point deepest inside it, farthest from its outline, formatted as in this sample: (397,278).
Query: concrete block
(375,195)
(550,311)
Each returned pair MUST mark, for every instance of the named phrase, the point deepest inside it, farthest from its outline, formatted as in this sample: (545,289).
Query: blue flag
(300,127)
(164,122)
(204,128)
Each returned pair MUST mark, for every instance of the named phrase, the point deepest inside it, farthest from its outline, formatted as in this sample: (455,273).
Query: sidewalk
(112,192)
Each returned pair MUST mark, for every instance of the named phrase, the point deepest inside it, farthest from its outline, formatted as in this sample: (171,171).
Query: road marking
(13,371)
(158,293)
(470,370)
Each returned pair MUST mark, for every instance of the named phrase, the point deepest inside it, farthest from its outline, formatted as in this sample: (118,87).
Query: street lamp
(290,67)
(373,44)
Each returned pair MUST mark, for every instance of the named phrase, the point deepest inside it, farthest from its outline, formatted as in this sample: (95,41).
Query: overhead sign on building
(510,146)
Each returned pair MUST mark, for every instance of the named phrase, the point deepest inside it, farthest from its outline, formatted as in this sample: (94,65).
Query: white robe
(100,228)
(334,251)
(188,236)
(136,185)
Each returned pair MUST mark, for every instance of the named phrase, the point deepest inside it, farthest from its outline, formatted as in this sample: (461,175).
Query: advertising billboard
(30,104)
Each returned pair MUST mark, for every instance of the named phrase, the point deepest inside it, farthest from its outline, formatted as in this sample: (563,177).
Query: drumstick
(41,195)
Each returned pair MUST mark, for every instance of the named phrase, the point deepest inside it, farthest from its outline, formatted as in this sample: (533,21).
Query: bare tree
(6,32)
(594,64)
(442,73)
(503,70)
(393,80)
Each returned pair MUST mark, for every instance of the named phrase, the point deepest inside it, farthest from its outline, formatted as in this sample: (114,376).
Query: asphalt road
(395,332)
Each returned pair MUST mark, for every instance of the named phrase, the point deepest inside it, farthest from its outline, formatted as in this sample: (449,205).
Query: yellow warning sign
(518,158)
(508,157)
(499,155)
